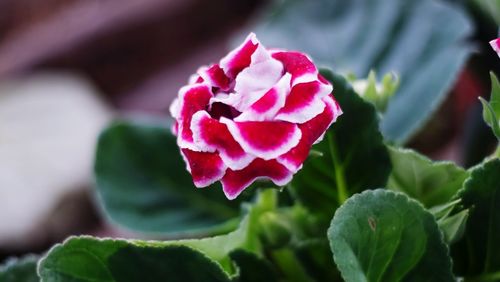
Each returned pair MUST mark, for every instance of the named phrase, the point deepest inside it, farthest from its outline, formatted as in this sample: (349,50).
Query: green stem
(267,199)
(342,193)
(495,276)
(290,266)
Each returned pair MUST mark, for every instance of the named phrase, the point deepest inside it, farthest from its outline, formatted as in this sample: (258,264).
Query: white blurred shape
(49,125)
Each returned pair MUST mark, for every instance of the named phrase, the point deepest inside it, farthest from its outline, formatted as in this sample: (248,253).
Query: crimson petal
(212,135)
(264,139)
(235,181)
(205,168)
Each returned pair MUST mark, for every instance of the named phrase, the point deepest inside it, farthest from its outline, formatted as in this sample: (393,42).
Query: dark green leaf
(381,235)
(316,258)
(431,183)
(421,40)
(90,259)
(143,184)
(477,254)
(354,155)
(19,270)
(252,268)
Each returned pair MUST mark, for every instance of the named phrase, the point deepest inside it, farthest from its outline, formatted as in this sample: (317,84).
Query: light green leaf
(421,40)
(19,270)
(90,259)
(107,260)
(491,109)
(477,255)
(143,184)
(453,226)
(491,8)
(385,236)
(431,183)
(354,155)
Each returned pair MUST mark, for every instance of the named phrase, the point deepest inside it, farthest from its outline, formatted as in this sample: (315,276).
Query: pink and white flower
(254,115)
(495,44)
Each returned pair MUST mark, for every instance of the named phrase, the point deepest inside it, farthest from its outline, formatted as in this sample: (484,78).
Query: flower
(254,115)
(495,44)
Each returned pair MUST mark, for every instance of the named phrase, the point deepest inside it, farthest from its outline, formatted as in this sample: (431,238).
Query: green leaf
(491,109)
(421,40)
(143,184)
(453,226)
(251,268)
(381,235)
(477,254)
(316,257)
(90,259)
(431,183)
(354,155)
(20,270)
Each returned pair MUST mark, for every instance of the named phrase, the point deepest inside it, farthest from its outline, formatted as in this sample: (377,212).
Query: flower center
(219,109)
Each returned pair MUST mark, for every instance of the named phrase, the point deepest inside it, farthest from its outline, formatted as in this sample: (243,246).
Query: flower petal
(215,76)
(311,132)
(192,99)
(234,182)
(205,168)
(264,139)
(304,102)
(298,65)
(269,104)
(214,136)
(239,58)
(495,44)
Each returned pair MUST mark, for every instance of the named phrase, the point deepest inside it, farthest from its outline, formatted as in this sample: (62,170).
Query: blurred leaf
(252,268)
(477,255)
(420,40)
(441,211)
(206,259)
(431,183)
(354,155)
(453,226)
(20,270)
(143,184)
(489,7)
(491,109)
(90,259)
(316,258)
(384,236)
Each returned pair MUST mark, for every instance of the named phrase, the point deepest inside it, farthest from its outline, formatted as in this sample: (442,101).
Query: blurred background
(67,68)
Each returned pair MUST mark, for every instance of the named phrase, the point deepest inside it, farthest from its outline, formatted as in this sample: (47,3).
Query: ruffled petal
(212,135)
(311,132)
(495,44)
(215,76)
(205,168)
(264,139)
(298,65)
(304,102)
(240,58)
(192,99)
(269,104)
(235,181)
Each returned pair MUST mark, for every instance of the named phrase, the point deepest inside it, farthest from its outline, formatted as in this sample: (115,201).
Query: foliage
(420,40)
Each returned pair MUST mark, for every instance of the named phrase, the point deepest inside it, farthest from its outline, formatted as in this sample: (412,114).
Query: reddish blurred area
(138,52)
